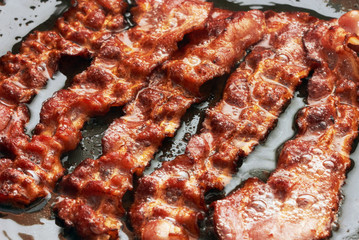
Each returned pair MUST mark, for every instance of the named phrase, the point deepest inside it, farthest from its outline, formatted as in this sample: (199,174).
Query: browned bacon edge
(301,198)
(96,187)
(113,79)
(91,23)
(23,75)
(170,202)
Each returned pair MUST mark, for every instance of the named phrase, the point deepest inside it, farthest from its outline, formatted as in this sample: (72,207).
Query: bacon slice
(96,187)
(301,198)
(170,202)
(91,23)
(119,71)
(23,75)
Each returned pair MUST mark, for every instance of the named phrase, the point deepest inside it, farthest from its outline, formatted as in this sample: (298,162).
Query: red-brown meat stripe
(96,187)
(301,197)
(170,202)
(118,72)
(23,75)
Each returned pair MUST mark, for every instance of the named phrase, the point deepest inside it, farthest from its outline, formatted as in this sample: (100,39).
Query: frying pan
(19,17)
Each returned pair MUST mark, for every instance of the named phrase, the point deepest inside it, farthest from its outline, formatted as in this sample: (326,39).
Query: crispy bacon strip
(23,75)
(119,71)
(91,23)
(301,198)
(132,140)
(170,202)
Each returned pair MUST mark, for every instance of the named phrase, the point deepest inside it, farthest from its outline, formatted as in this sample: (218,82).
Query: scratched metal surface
(19,17)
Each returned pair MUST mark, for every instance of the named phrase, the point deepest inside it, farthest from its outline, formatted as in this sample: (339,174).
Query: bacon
(23,75)
(170,202)
(91,23)
(96,187)
(118,72)
(301,197)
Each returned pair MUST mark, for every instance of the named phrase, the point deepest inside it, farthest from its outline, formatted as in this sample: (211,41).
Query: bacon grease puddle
(19,17)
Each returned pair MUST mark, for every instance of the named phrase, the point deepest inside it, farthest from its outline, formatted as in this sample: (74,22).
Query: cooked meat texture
(118,72)
(96,187)
(23,75)
(91,23)
(300,199)
(170,202)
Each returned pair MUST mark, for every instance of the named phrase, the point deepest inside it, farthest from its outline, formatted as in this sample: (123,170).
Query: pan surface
(19,17)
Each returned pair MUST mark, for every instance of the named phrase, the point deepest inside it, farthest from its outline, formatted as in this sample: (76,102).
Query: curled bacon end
(350,21)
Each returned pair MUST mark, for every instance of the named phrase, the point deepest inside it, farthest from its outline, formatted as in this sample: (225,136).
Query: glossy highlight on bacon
(118,72)
(170,202)
(301,197)
(96,187)
(23,75)
(91,23)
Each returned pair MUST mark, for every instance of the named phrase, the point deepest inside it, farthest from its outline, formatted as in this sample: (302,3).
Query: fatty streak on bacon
(96,187)
(301,198)
(170,202)
(91,23)
(113,79)
(23,75)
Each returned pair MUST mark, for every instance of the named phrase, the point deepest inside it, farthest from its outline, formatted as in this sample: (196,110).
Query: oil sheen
(20,17)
